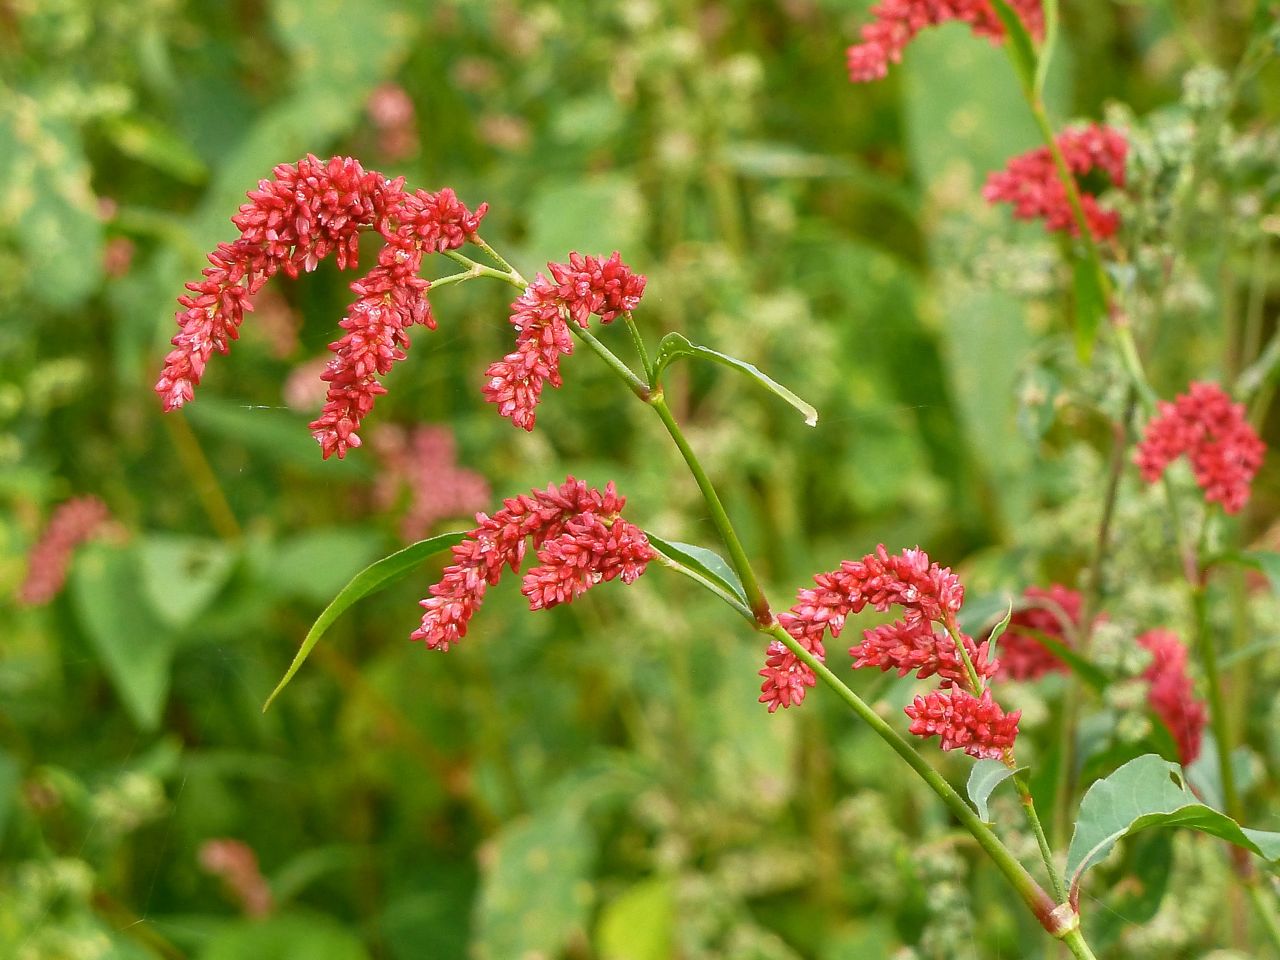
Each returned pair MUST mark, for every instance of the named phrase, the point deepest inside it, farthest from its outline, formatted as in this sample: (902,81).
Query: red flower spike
(73,522)
(1022,655)
(422,461)
(898,21)
(925,591)
(962,721)
(1031,183)
(576,290)
(572,527)
(914,645)
(1224,450)
(291,223)
(1172,696)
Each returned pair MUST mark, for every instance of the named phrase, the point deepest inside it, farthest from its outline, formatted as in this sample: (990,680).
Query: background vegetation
(596,781)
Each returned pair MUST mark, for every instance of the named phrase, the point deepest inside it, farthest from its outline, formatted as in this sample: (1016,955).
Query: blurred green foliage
(596,781)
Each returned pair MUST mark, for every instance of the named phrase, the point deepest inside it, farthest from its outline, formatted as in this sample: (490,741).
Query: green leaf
(706,564)
(277,435)
(10,779)
(997,632)
(317,564)
(674,346)
(638,924)
(288,937)
(134,647)
(1022,50)
(1150,792)
(372,578)
(536,893)
(985,776)
(1266,562)
(1047,48)
(1086,671)
(145,139)
(182,575)
(1090,302)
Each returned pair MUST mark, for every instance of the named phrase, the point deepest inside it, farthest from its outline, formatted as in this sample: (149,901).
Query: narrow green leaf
(151,142)
(1022,50)
(984,777)
(1086,671)
(997,632)
(1090,302)
(1046,48)
(674,346)
(707,564)
(1150,792)
(1266,562)
(369,580)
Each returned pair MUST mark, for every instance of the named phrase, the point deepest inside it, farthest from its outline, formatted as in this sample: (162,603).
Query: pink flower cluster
(291,223)
(964,717)
(1172,696)
(236,865)
(898,21)
(72,523)
(423,461)
(576,290)
(578,535)
(1225,451)
(1031,183)
(1022,655)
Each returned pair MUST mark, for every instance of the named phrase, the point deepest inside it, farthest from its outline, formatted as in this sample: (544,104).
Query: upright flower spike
(1022,655)
(1031,183)
(898,21)
(1203,423)
(576,290)
(1172,696)
(578,534)
(291,223)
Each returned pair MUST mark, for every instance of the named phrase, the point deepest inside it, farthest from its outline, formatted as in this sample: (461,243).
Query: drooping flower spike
(1171,695)
(898,21)
(927,595)
(1224,450)
(579,537)
(584,286)
(72,523)
(309,210)
(1031,182)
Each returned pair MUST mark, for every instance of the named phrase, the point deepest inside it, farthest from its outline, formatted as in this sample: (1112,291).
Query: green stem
(638,342)
(480,270)
(500,260)
(719,517)
(1042,841)
(1079,948)
(625,373)
(1217,702)
(1033,895)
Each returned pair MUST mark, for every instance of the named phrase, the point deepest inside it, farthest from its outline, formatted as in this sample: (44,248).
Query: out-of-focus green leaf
(639,923)
(1150,792)
(674,346)
(10,778)
(151,142)
(997,632)
(536,892)
(1090,305)
(317,564)
(1266,562)
(1086,671)
(182,575)
(984,777)
(276,435)
(372,578)
(134,647)
(1022,50)
(46,202)
(593,215)
(288,937)
(1050,44)
(1137,896)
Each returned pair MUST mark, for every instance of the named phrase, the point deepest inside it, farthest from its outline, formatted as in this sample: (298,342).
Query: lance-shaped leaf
(1046,48)
(372,578)
(674,346)
(1090,299)
(985,776)
(1150,792)
(705,567)
(1022,50)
